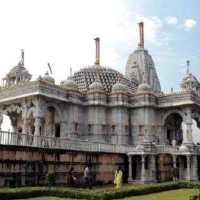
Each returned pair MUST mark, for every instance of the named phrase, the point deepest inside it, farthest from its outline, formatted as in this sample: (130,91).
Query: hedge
(94,194)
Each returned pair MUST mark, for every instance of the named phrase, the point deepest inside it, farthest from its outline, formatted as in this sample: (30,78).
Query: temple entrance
(52,122)
(173,127)
(164,163)
(136,167)
(198,167)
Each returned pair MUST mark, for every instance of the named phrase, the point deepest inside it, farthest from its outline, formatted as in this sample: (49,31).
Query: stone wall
(31,166)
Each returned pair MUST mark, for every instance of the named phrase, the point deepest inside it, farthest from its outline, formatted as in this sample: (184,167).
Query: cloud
(189,24)
(171,20)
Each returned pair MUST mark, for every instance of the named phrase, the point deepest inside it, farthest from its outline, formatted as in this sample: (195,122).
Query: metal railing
(18,139)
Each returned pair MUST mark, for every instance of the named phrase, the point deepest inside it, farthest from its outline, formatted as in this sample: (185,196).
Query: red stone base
(31,166)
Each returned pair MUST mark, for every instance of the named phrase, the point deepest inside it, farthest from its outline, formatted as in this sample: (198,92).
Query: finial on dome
(49,66)
(70,71)
(22,57)
(188,66)
(141,34)
(97,44)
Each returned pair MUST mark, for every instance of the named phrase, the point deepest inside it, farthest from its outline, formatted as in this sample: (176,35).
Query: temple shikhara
(101,117)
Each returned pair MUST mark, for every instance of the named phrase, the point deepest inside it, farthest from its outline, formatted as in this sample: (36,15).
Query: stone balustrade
(10,138)
(18,139)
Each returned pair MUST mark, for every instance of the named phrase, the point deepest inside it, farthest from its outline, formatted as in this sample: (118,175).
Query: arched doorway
(6,129)
(136,167)
(52,122)
(164,166)
(6,123)
(173,129)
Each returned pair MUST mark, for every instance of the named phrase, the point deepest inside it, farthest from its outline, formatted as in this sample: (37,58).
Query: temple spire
(141,35)
(97,44)
(70,71)
(188,66)
(22,57)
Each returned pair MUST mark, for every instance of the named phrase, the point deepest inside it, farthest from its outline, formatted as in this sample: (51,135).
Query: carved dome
(107,77)
(96,86)
(119,88)
(18,74)
(190,82)
(69,84)
(144,87)
(48,78)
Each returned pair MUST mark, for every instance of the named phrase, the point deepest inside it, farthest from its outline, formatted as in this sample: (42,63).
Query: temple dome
(85,78)
(17,69)
(190,82)
(69,84)
(119,88)
(18,74)
(96,86)
(144,87)
(48,78)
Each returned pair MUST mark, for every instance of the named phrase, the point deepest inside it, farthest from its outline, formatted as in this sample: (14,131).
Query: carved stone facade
(99,110)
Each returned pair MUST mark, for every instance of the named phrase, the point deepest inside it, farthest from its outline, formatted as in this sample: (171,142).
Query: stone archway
(6,124)
(52,121)
(173,129)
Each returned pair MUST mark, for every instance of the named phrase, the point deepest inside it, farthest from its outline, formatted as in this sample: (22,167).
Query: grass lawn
(47,198)
(182,194)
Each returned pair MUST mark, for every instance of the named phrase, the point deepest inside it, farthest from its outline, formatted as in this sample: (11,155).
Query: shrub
(106,194)
(196,196)
(51,179)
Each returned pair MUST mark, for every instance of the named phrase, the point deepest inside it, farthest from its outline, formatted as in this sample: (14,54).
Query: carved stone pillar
(188,173)
(174,161)
(175,170)
(25,126)
(153,168)
(143,171)
(63,129)
(187,138)
(130,175)
(38,126)
(38,131)
(1,120)
(194,168)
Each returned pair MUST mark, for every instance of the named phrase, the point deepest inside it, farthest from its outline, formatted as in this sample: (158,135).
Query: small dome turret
(190,82)
(69,84)
(119,88)
(96,86)
(48,78)
(144,87)
(18,74)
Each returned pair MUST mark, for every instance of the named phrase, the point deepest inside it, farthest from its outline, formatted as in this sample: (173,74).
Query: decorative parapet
(144,100)
(16,139)
(38,88)
(178,98)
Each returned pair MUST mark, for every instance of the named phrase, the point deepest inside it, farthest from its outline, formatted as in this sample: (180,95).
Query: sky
(62,32)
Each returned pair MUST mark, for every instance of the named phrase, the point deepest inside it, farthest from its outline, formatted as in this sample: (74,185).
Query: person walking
(118,178)
(71,177)
(88,177)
